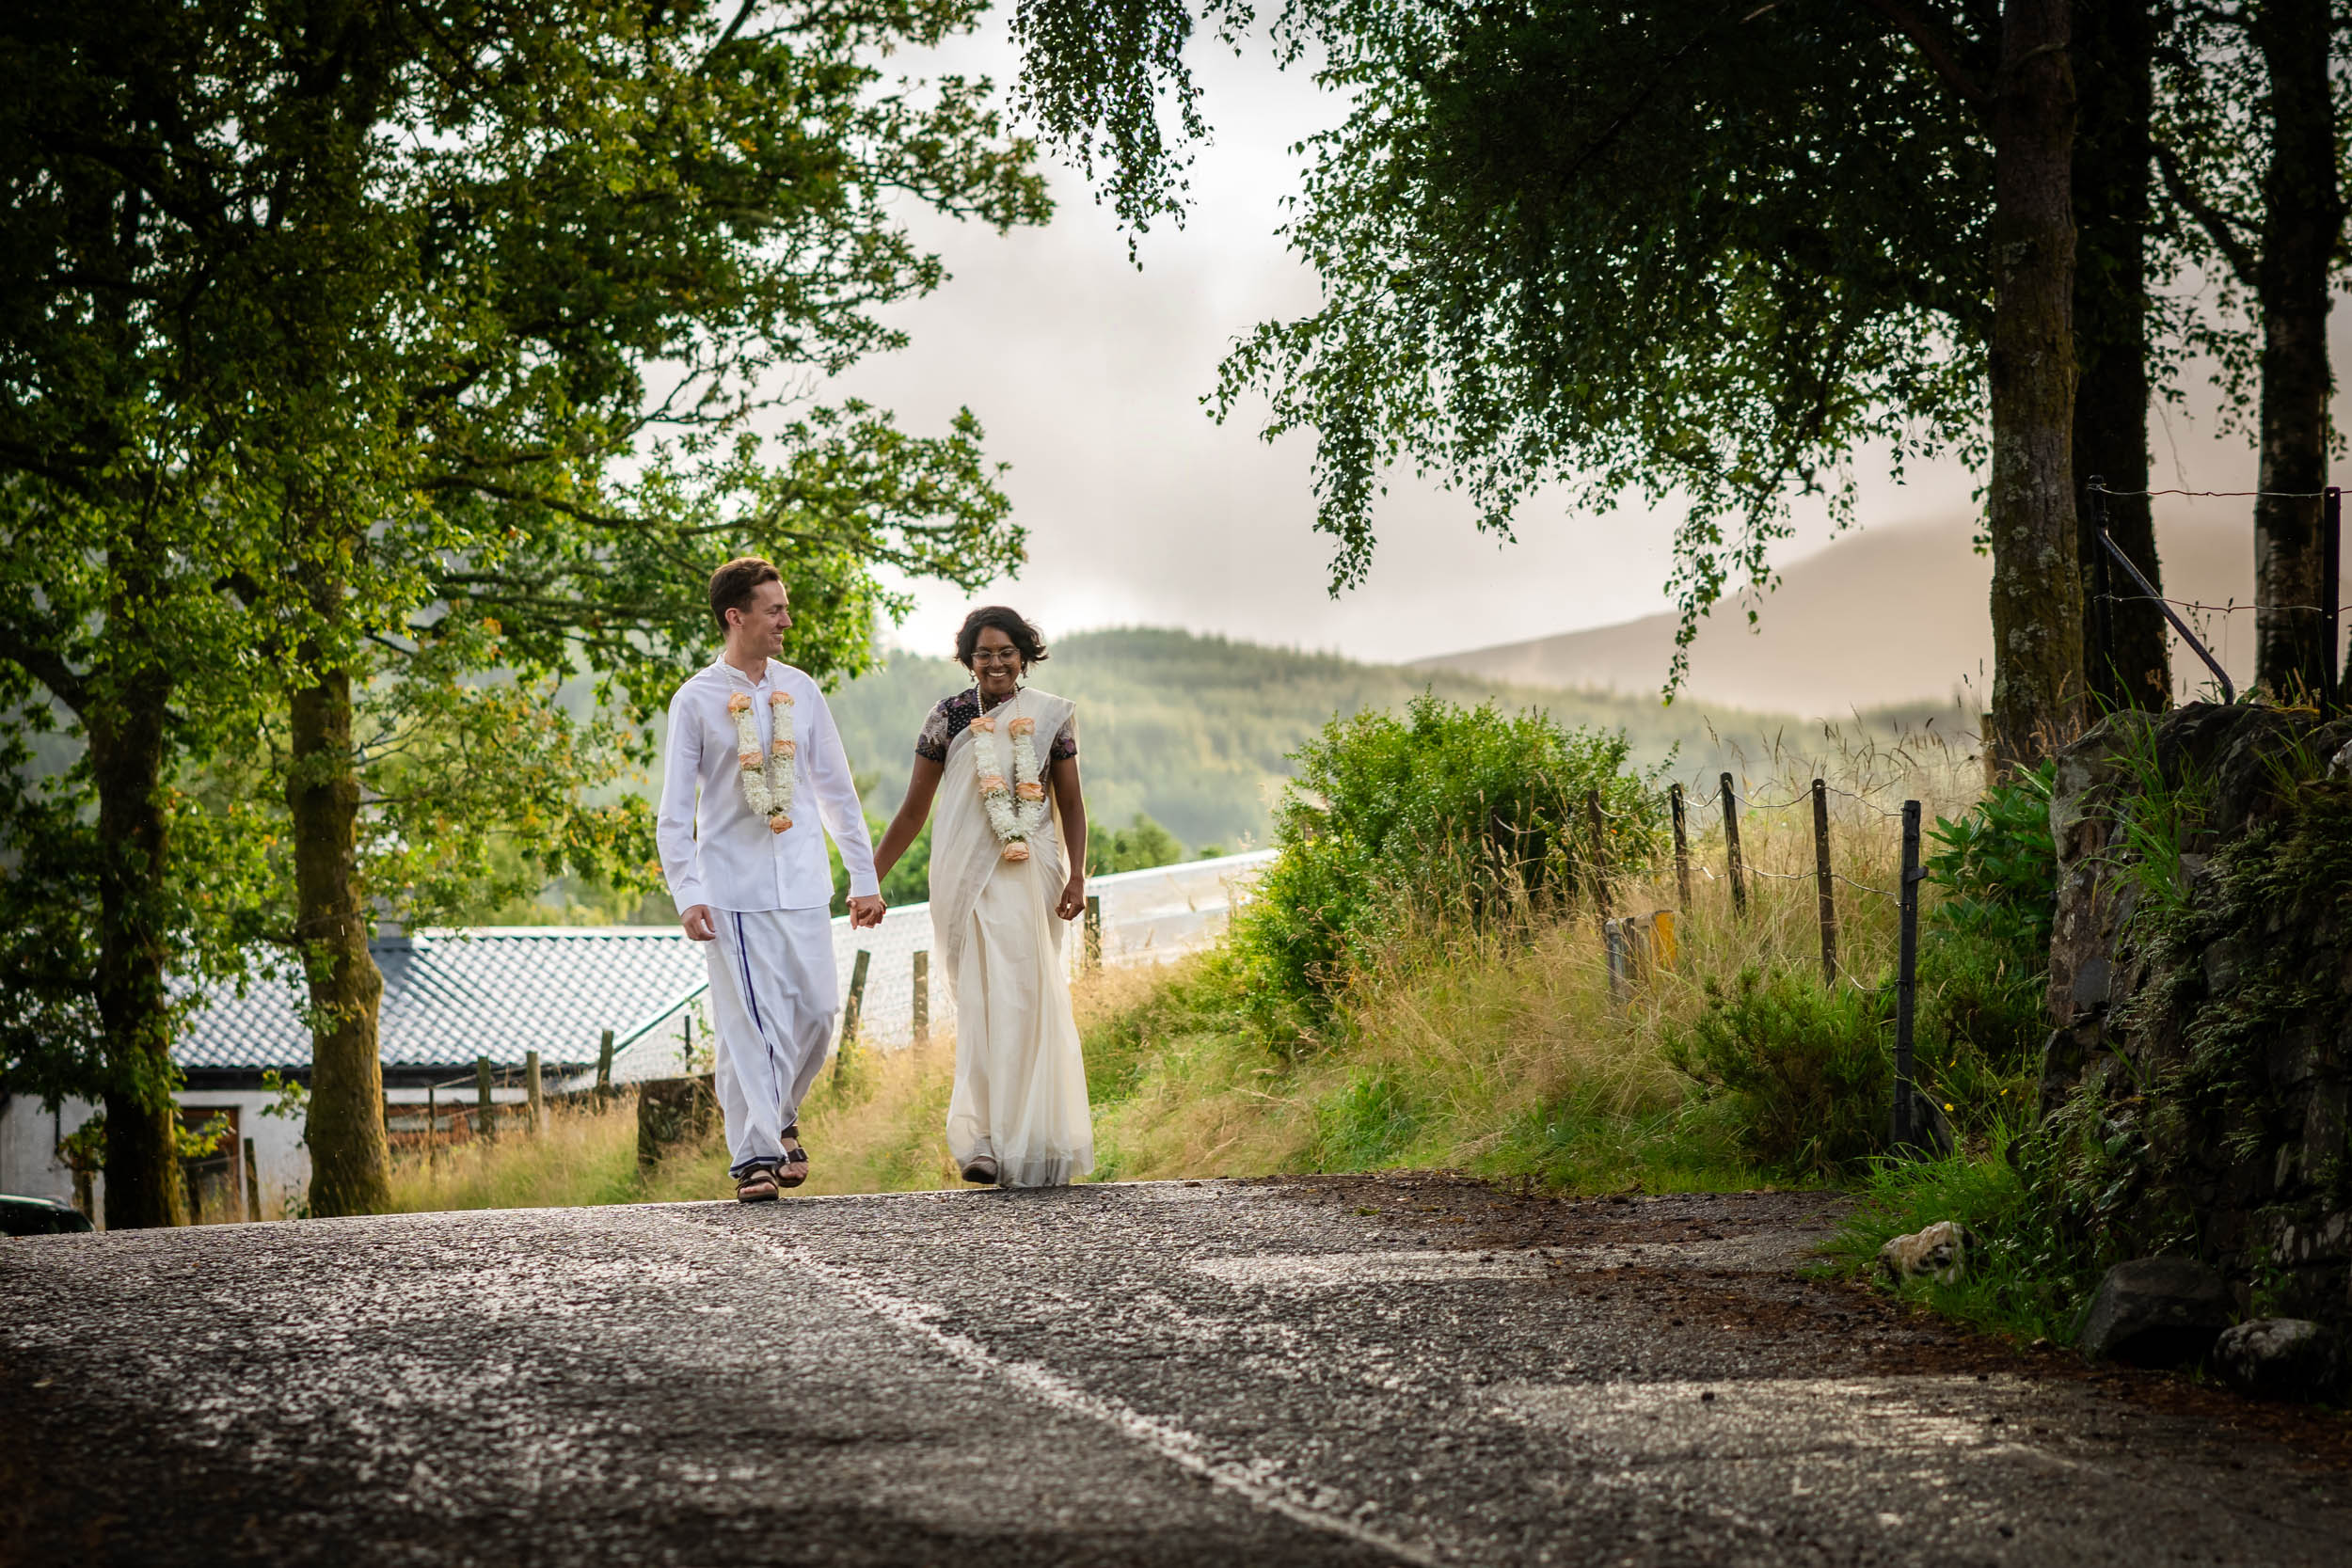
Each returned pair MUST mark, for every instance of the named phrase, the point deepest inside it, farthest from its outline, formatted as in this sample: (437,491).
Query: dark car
(40,1216)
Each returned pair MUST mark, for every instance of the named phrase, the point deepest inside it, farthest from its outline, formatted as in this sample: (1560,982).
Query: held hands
(699,923)
(866,912)
(1073,898)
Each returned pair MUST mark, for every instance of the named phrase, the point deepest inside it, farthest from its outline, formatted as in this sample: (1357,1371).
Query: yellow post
(1665,946)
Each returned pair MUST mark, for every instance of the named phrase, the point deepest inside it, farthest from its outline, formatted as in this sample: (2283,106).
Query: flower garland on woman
(1016,814)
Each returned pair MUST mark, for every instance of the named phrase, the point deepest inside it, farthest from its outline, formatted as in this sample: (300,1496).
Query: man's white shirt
(714,850)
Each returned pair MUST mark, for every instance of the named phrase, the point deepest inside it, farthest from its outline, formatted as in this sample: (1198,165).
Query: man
(753,748)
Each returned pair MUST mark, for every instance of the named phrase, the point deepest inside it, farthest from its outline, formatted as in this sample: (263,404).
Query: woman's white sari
(1020,1087)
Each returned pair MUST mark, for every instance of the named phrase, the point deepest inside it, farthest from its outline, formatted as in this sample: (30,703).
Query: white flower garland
(1016,811)
(767,781)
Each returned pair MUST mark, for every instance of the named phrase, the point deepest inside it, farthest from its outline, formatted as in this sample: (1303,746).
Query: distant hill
(1886,616)
(1196,729)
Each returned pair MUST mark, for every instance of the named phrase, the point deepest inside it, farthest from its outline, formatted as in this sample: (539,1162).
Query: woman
(1004,882)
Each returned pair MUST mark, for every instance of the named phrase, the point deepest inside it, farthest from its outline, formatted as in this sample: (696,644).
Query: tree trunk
(2303,213)
(126,756)
(350,1162)
(2037,583)
(2125,654)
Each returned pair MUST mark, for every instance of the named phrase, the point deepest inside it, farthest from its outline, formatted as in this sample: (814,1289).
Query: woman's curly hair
(1026,638)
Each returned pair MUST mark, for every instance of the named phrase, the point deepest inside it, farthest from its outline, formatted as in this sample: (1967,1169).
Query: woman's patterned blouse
(951,718)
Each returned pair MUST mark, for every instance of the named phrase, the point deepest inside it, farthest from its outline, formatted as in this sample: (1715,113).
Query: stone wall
(2195,1087)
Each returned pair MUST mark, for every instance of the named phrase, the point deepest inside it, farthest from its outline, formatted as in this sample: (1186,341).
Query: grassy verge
(874,1129)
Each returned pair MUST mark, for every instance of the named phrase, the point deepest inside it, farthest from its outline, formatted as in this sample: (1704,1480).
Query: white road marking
(1255,1480)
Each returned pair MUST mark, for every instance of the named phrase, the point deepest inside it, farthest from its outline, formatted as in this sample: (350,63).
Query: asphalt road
(1335,1371)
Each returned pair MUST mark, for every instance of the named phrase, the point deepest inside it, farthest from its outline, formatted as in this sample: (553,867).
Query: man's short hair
(733,585)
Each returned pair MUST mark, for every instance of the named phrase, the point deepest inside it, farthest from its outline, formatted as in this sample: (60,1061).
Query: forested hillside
(1197,731)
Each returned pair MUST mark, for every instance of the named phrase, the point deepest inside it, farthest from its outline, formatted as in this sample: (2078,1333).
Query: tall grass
(1498,1050)
(874,1128)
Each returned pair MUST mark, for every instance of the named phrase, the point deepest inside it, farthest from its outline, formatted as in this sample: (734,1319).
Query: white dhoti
(772,998)
(1020,1093)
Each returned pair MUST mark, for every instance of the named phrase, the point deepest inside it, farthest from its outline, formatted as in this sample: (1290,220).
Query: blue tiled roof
(451,996)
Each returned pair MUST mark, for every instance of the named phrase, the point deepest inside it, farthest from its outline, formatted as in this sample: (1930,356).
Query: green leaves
(1449,811)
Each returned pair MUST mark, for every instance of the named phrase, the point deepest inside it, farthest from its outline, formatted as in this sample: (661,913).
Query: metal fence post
(2101,595)
(1682,849)
(1907,977)
(1620,979)
(922,995)
(2330,593)
(1731,848)
(1822,883)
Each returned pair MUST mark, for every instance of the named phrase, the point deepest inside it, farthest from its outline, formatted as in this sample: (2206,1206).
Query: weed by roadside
(2026,1279)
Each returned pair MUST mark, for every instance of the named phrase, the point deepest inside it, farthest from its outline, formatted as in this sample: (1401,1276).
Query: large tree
(1705,252)
(511,287)
(2122,355)
(2252,149)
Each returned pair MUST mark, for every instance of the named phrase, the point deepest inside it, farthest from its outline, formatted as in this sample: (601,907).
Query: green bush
(1140,845)
(1984,956)
(1807,1071)
(1464,813)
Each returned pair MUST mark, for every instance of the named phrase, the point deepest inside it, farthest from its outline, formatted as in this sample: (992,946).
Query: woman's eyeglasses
(1001,655)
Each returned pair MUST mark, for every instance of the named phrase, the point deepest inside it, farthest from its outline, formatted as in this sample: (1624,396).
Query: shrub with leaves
(1464,813)
(1807,1069)
(1984,957)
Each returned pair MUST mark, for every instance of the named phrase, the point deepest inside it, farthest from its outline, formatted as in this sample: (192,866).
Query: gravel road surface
(1346,1370)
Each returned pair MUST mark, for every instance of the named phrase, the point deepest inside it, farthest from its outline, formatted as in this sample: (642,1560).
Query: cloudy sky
(1087,374)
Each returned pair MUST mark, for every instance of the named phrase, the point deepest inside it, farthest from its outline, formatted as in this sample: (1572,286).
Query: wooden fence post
(604,1068)
(1682,849)
(922,995)
(534,1089)
(1614,943)
(1906,978)
(485,1128)
(850,1012)
(252,1184)
(1731,848)
(1601,852)
(1822,883)
(1094,931)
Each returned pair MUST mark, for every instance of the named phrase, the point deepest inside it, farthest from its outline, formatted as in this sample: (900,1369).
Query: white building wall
(29,1167)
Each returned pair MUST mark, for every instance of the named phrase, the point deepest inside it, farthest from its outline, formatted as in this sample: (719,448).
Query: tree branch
(2221,226)
(1937,46)
(44,666)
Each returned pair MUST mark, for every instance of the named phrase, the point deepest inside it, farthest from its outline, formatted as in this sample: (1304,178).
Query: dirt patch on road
(1667,1253)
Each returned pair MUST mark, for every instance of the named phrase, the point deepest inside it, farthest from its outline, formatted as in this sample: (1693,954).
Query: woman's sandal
(980,1168)
(756,1186)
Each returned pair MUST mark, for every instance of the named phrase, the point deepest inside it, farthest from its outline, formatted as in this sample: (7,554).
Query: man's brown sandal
(756,1186)
(793,1168)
